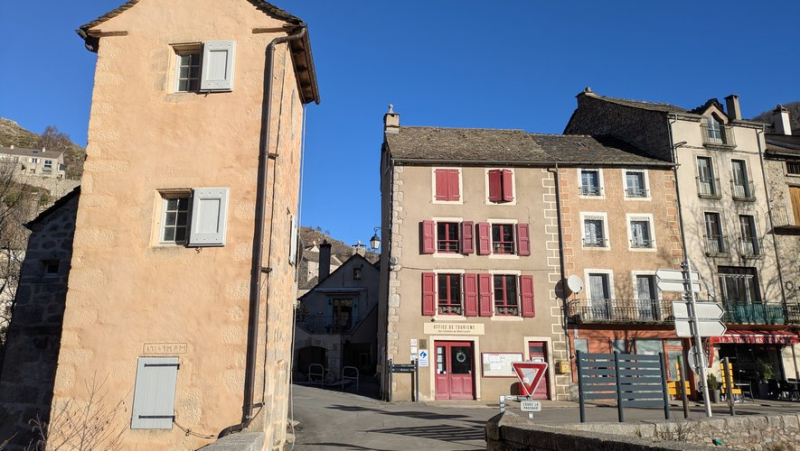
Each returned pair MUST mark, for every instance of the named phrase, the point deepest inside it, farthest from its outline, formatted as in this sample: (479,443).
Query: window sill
(448,202)
(443,318)
(504,256)
(511,203)
(447,255)
(503,318)
(648,198)
(720,145)
(654,248)
(596,248)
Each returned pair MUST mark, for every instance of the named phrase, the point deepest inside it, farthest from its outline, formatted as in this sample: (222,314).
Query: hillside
(794,115)
(12,133)
(339,249)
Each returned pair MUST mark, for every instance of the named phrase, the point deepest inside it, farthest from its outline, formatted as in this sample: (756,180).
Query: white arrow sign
(672,280)
(703,310)
(708,319)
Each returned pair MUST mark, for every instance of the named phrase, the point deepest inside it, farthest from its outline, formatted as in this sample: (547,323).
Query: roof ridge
(467,128)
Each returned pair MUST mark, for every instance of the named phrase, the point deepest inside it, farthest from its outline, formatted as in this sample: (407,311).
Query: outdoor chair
(789,390)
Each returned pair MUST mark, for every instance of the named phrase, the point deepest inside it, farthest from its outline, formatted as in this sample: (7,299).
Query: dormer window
(714,130)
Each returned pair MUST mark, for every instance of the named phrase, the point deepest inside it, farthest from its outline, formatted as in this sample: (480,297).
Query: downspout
(258,238)
(769,213)
(564,295)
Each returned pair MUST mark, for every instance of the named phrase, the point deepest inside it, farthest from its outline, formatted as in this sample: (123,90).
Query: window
(636,185)
(356,273)
(447,185)
(793,167)
(195,218)
(342,315)
(619,346)
(204,67)
(501,185)
(505,296)
(706,182)
(739,286)
(50,268)
(34,160)
(715,241)
(154,393)
(48,164)
(590,183)
(750,246)
(641,234)
(594,232)
(600,296)
(647,298)
(449,294)
(713,130)
(503,238)
(742,187)
(447,237)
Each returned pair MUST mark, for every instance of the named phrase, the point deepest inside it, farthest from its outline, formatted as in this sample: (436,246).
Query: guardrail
(620,311)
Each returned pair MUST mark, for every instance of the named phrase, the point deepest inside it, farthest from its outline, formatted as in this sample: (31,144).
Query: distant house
(35,162)
(337,319)
(308,270)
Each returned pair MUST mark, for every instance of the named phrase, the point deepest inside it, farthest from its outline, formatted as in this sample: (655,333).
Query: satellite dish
(575,284)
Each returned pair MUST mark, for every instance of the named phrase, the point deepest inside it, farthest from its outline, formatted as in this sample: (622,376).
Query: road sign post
(698,344)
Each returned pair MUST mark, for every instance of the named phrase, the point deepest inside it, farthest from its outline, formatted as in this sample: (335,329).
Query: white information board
(498,364)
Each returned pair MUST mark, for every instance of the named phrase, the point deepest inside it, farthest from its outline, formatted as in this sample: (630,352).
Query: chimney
(732,103)
(361,249)
(324,260)
(391,121)
(780,121)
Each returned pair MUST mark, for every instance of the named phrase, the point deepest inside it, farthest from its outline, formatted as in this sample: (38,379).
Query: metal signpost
(530,375)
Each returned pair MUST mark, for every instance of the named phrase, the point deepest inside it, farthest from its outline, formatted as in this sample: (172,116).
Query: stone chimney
(391,121)
(324,260)
(781,124)
(732,104)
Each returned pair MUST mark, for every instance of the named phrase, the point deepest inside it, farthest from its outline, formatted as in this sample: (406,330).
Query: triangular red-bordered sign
(530,374)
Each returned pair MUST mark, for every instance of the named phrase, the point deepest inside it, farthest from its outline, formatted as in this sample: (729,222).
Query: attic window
(714,130)
(187,69)
(356,273)
(205,67)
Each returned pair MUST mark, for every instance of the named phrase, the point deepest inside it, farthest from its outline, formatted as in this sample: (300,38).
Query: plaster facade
(131,296)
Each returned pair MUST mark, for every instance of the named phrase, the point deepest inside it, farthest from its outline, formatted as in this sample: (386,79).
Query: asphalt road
(344,421)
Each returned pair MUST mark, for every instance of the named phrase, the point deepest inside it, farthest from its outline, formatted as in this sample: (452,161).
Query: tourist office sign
(453,329)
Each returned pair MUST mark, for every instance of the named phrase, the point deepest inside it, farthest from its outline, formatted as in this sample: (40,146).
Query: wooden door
(794,193)
(454,369)
(537,352)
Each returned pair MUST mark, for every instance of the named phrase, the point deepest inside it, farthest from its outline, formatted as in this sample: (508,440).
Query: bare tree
(52,139)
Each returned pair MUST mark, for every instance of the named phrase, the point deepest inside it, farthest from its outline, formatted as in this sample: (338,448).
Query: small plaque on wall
(164,348)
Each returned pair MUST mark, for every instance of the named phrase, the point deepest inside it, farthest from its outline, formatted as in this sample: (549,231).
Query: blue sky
(505,64)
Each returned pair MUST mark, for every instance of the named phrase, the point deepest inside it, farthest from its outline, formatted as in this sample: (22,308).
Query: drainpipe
(258,244)
(769,211)
(564,295)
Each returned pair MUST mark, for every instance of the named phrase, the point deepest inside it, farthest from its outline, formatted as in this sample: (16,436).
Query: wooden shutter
(428,236)
(154,393)
(467,246)
(428,293)
(293,241)
(209,217)
(523,240)
(485,293)
(217,66)
(453,191)
(470,295)
(441,184)
(484,238)
(495,186)
(508,185)
(526,293)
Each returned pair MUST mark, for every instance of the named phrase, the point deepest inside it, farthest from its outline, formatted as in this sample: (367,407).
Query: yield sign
(530,374)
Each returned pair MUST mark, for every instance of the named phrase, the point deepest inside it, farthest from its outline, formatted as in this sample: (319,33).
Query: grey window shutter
(209,217)
(154,395)
(293,244)
(217,66)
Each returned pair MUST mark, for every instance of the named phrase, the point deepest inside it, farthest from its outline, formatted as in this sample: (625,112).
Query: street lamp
(375,241)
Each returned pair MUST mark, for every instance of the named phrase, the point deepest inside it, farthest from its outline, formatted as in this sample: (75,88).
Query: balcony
(743,191)
(724,140)
(322,325)
(708,188)
(620,311)
(754,313)
(595,242)
(591,190)
(750,247)
(716,245)
(643,244)
(637,193)
(793,313)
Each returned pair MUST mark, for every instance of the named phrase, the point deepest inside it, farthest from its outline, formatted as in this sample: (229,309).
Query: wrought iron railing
(595,242)
(743,191)
(725,140)
(793,313)
(591,190)
(506,310)
(620,311)
(319,324)
(708,187)
(636,192)
(750,247)
(753,313)
(716,245)
(642,244)
(451,309)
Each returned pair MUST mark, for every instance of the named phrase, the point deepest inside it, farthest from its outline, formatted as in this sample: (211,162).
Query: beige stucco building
(34,162)
(182,278)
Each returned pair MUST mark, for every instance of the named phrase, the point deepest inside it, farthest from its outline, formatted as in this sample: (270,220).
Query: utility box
(562,367)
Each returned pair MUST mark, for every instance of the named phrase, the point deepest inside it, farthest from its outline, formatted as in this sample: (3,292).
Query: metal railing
(636,193)
(708,187)
(793,313)
(643,244)
(725,140)
(595,242)
(506,310)
(591,190)
(321,325)
(716,245)
(743,191)
(620,310)
(750,247)
(452,309)
(753,313)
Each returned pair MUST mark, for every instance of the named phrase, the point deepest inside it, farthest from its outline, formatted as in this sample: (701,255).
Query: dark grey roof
(652,106)
(783,144)
(43,153)
(485,147)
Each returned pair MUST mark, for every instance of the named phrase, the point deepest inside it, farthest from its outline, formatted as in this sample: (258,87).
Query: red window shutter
(428,236)
(484,238)
(452,185)
(428,293)
(441,184)
(485,286)
(508,185)
(526,293)
(470,295)
(495,185)
(467,246)
(523,240)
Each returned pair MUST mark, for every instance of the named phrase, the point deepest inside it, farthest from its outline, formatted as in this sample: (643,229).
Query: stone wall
(508,431)
(28,374)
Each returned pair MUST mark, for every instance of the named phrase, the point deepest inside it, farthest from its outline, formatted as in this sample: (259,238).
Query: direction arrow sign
(672,280)
(704,328)
(530,374)
(708,319)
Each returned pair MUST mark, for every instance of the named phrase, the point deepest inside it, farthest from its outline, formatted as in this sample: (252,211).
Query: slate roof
(483,147)
(652,106)
(301,49)
(783,144)
(23,152)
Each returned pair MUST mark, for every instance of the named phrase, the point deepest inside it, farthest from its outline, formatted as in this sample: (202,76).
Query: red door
(537,352)
(454,363)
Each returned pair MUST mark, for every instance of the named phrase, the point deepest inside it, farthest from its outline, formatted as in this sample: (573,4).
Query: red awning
(761,337)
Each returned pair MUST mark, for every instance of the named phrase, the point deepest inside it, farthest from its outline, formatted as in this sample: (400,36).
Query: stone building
(34,162)
(34,336)
(182,279)
(724,212)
